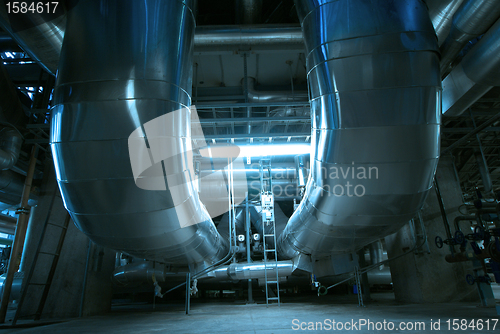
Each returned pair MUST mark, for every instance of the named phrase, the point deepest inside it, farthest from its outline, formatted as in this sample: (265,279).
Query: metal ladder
(63,228)
(267,203)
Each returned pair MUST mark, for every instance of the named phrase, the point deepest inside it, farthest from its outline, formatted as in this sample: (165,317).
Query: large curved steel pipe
(125,78)
(373,73)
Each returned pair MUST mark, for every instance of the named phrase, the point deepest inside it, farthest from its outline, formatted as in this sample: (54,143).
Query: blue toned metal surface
(473,18)
(441,13)
(373,73)
(124,64)
(39,34)
(475,75)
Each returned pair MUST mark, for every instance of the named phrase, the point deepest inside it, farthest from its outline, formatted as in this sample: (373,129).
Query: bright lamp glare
(250,151)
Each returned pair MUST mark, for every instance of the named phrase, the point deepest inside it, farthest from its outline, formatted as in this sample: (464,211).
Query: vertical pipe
(249,258)
(84,287)
(245,87)
(18,245)
(481,161)
(188,292)
(443,214)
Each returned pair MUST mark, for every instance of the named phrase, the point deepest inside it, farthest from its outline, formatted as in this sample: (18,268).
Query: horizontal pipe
(142,272)
(39,34)
(276,37)
(441,13)
(473,18)
(475,75)
(44,42)
(258,96)
(7,224)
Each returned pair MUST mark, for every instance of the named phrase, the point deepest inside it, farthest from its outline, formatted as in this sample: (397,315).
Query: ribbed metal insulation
(124,65)
(373,73)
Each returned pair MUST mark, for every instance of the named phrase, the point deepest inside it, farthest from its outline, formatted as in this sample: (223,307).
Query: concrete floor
(231,316)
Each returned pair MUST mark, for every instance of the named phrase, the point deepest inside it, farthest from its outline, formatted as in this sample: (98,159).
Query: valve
(459,237)
(478,233)
(322,290)
(479,279)
(439,242)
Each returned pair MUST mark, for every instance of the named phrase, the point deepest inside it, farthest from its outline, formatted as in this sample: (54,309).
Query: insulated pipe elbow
(373,74)
(121,131)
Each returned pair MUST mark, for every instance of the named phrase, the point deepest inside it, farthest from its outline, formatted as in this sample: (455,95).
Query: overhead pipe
(44,45)
(142,272)
(247,36)
(213,190)
(117,76)
(473,18)
(441,13)
(38,34)
(475,75)
(256,96)
(373,73)
(7,224)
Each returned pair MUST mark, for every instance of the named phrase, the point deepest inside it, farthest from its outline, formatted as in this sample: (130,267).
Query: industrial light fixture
(251,151)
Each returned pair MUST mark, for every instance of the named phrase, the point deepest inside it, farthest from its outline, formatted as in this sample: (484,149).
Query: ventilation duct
(373,73)
(119,75)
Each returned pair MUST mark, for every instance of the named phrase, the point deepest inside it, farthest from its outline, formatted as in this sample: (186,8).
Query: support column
(424,277)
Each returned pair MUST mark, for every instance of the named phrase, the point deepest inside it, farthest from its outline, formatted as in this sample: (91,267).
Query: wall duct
(118,73)
(373,74)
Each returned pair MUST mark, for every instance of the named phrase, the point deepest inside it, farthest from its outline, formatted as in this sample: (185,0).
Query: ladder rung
(268,235)
(270,250)
(273,298)
(272,282)
(54,254)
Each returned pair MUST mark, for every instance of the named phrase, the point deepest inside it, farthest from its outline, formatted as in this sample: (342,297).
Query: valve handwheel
(439,242)
(459,237)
